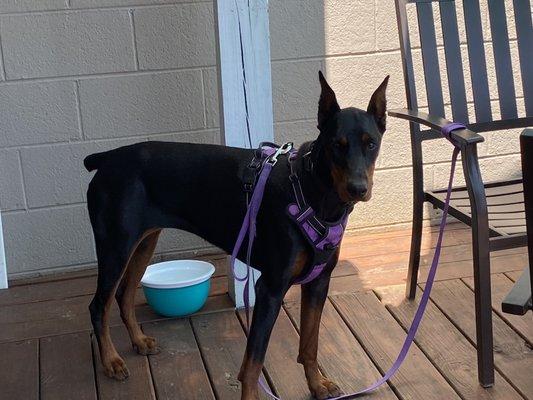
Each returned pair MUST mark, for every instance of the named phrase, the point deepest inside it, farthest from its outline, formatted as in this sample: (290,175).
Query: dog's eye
(340,144)
(371,145)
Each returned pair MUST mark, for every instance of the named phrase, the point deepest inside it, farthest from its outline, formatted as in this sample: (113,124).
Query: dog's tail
(94,161)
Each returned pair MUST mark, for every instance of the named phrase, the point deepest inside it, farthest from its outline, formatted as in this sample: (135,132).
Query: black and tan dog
(146,187)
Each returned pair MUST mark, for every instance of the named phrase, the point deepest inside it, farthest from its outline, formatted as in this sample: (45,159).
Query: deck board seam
(365,349)
(204,362)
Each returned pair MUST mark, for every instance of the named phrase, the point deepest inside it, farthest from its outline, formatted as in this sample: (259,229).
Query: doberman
(143,188)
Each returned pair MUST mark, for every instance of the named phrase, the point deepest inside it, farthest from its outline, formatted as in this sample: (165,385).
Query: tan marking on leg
(249,377)
(299,264)
(114,365)
(139,260)
(320,386)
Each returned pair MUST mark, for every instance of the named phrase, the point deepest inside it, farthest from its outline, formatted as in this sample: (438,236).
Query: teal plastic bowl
(177,288)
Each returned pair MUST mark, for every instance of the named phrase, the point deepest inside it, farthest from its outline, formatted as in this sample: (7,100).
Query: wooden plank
(138,385)
(19,364)
(222,343)
(514,275)
(513,230)
(65,287)
(477,60)
(53,290)
(430,58)
(379,244)
(512,357)
(454,62)
(47,318)
(502,59)
(285,374)
(178,371)
(382,337)
(339,352)
(67,368)
(395,272)
(501,285)
(450,351)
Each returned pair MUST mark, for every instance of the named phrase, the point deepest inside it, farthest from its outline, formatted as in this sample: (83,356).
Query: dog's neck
(317,184)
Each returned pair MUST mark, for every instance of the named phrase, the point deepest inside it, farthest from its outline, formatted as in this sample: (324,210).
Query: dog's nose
(357,190)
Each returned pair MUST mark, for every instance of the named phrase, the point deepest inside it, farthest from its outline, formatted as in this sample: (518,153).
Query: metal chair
(495,211)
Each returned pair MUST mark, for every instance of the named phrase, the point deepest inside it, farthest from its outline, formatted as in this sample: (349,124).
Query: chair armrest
(462,136)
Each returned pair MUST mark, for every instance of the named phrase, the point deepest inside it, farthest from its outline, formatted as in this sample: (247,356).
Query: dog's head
(349,141)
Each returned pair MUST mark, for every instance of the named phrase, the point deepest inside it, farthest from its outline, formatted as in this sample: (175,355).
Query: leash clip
(283,149)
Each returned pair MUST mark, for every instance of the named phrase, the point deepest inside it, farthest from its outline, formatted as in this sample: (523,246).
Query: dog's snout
(357,189)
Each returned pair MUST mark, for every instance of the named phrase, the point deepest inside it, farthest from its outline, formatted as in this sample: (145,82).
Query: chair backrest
(467,33)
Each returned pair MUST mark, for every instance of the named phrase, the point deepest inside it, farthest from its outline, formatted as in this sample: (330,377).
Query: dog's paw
(116,369)
(146,346)
(325,389)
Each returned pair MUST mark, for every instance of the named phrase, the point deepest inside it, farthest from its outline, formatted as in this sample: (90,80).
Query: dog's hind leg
(112,260)
(113,250)
(125,294)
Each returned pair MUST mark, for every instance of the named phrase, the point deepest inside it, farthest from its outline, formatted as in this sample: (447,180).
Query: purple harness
(325,240)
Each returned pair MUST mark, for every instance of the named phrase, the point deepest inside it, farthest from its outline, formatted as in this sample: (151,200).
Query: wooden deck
(47,351)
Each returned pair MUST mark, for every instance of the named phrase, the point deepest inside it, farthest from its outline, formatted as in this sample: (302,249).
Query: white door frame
(3,266)
(244,86)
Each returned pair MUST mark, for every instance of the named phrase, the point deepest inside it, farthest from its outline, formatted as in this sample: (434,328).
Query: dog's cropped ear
(327,104)
(378,105)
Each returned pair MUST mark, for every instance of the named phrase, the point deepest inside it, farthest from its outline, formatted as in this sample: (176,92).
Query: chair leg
(416,243)
(481,259)
(482,289)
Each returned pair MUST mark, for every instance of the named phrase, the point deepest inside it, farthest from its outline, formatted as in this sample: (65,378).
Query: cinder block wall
(78,76)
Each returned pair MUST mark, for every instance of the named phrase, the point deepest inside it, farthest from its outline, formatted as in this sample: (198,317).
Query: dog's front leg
(267,305)
(314,296)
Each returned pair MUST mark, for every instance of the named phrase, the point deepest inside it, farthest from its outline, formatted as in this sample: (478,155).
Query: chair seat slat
(502,59)
(454,62)
(477,60)
(430,58)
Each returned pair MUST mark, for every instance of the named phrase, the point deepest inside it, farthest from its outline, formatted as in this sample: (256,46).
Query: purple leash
(248,226)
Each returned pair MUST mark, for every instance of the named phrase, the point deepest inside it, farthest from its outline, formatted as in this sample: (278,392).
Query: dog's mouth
(346,197)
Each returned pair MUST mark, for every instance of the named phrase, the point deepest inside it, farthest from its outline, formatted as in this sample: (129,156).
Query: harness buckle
(283,149)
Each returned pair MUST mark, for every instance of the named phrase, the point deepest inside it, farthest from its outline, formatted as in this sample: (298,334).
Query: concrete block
(492,169)
(212,108)
(142,104)
(349,26)
(47,238)
(297,132)
(11,190)
(52,174)
(211,136)
(386,27)
(296,29)
(175,37)
(119,3)
(66,43)
(7,6)
(354,79)
(295,89)
(33,113)
(396,145)
(390,203)
(172,240)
